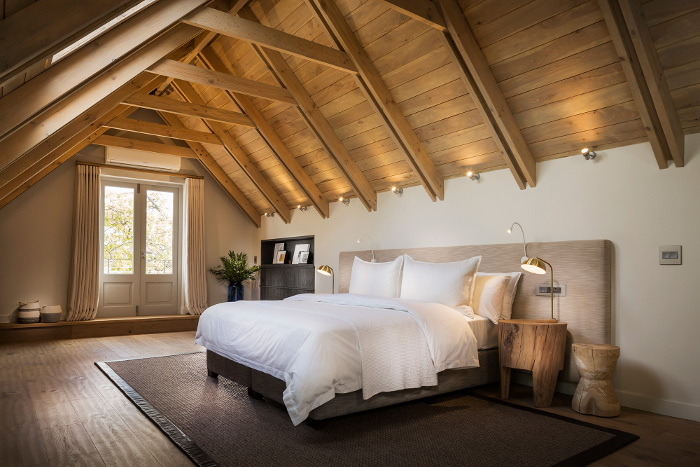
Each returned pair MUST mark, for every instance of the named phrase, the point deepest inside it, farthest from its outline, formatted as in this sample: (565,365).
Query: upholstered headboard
(585,267)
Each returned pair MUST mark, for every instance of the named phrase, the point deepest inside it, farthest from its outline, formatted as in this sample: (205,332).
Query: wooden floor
(57,408)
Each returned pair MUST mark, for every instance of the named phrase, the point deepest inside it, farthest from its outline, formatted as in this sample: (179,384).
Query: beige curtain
(195,269)
(83,287)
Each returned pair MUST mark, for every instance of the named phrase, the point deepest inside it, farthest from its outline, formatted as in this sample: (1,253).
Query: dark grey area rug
(216,423)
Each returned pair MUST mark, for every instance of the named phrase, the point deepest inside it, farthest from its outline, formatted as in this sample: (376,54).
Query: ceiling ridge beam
(158,129)
(315,120)
(500,118)
(268,133)
(379,96)
(217,79)
(190,109)
(123,44)
(189,93)
(656,79)
(138,145)
(217,172)
(42,35)
(634,75)
(255,33)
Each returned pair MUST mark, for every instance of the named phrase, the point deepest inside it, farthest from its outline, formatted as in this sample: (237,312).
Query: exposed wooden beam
(156,129)
(255,33)
(201,41)
(217,172)
(634,75)
(42,35)
(317,123)
(226,81)
(188,92)
(51,152)
(113,48)
(655,78)
(163,104)
(89,94)
(424,11)
(474,59)
(268,133)
(379,96)
(130,143)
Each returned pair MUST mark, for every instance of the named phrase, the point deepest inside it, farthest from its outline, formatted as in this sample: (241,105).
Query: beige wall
(621,196)
(35,236)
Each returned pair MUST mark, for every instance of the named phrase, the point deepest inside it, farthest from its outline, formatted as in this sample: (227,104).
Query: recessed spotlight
(588,154)
(473,176)
(397,191)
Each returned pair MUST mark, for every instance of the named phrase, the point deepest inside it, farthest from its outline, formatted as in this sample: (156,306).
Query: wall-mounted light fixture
(302,208)
(345,201)
(371,242)
(397,191)
(473,176)
(269,214)
(525,257)
(588,154)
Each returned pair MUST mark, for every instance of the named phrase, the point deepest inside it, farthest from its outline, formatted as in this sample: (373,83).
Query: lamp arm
(523,232)
(551,283)
(371,244)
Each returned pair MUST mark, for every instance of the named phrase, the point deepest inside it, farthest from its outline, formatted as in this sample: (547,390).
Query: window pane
(159,232)
(119,230)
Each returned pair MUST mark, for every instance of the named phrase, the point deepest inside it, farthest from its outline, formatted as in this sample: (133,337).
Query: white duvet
(321,345)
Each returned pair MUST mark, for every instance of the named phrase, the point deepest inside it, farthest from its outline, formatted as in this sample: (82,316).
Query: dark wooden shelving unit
(279,281)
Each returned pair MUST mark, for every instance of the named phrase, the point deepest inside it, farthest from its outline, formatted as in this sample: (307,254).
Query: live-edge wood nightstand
(534,345)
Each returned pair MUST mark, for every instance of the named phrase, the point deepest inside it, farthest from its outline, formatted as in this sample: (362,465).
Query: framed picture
(279,257)
(304,257)
(298,250)
(278,247)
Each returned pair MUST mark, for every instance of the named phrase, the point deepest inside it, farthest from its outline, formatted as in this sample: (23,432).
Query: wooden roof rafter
(139,145)
(316,198)
(380,98)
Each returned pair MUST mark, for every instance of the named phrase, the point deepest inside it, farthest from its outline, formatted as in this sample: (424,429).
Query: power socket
(543,289)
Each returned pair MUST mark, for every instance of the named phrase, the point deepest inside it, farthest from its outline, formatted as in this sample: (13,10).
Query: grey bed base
(259,383)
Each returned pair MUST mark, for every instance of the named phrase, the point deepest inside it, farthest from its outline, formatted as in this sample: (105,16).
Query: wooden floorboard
(57,408)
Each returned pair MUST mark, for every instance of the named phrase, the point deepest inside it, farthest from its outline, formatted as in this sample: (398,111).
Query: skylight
(101,30)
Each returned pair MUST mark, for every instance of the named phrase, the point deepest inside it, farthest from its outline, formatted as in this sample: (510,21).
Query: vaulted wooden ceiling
(300,102)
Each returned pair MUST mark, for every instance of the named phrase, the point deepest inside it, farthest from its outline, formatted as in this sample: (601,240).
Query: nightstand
(534,345)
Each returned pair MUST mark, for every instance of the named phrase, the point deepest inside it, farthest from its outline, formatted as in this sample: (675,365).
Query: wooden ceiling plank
(217,172)
(315,196)
(255,33)
(42,35)
(379,96)
(315,120)
(188,92)
(635,80)
(424,11)
(226,81)
(655,78)
(503,121)
(88,94)
(130,143)
(157,129)
(190,109)
(115,47)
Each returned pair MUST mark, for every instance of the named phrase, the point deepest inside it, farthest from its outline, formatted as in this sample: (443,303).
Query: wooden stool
(595,394)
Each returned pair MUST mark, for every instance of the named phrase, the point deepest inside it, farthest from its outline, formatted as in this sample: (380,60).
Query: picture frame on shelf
(304,257)
(280,257)
(298,250)
(278,247)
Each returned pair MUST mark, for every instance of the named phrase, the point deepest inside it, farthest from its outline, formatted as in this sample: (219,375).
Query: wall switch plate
(671,254)
(255,260)
(543,289)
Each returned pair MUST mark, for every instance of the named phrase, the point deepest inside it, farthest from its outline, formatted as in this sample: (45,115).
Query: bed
(588,289)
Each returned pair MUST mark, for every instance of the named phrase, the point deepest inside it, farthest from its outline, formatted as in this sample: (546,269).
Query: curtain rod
(134,169)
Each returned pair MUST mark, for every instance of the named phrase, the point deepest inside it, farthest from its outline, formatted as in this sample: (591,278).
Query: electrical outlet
(543,289)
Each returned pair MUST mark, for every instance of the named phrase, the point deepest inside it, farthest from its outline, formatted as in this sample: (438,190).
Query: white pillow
(490,310)
(376,279)
(448,283)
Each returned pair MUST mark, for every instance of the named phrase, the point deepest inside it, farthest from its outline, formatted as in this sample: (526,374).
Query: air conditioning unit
(141,159)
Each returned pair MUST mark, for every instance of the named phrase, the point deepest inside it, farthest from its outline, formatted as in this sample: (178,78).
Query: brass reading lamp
(327,271)
(536,265)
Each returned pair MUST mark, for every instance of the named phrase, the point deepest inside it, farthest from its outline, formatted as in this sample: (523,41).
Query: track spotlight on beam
(473,176)
(269,214)
(397,191)
(302,208)
(345,201)
(588,154)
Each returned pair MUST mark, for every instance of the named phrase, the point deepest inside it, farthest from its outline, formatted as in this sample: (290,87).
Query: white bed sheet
(485,331)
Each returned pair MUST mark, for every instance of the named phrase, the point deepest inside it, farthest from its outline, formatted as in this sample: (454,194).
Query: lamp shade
(325,270)
(534,265)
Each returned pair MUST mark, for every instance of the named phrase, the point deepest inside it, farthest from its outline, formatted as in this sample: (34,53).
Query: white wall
(621,196)
(35,236)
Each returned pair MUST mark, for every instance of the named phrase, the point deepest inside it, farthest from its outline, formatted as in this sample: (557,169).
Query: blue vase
(235,291)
